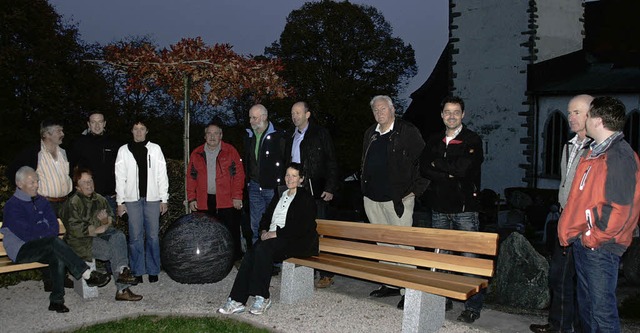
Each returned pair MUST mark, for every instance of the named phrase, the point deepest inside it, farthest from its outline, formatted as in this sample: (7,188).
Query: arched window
(632,130)
(555,136)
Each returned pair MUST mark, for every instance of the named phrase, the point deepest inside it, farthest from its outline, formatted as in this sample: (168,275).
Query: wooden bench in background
(350,249)
(7,266)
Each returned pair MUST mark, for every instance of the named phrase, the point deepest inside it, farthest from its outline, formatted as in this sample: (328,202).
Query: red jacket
(604,202)
(229,177)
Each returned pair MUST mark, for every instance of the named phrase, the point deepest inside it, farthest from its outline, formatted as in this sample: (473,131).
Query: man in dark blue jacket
(451,161)
(264,163)
(30,232)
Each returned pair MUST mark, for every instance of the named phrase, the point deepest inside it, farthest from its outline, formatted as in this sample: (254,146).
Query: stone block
(423,312)
(297,283)
(81,287)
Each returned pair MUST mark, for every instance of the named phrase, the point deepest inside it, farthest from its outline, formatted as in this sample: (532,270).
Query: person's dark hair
(297,166)
(47,124)
(77,174)
(140,121)
(216,121)
(611,110)
(452,100)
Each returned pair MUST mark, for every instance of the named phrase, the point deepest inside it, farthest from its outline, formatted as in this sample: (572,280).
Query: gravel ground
(345,307)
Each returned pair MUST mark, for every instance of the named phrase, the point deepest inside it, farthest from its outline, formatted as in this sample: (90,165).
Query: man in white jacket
(142,192)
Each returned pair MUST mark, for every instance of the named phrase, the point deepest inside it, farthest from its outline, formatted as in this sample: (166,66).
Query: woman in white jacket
(142,191)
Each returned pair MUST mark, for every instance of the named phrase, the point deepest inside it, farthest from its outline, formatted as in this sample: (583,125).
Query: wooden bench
(7,266)
(350,249)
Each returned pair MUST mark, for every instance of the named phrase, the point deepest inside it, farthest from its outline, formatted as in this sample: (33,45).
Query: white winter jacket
(127,175)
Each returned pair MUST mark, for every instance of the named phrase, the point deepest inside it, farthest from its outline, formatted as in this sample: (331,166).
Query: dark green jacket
(78,214)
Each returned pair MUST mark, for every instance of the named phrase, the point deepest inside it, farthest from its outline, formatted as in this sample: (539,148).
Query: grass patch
(173,324)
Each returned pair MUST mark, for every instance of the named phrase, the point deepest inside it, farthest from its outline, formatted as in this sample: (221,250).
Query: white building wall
(559,28)
(490,75)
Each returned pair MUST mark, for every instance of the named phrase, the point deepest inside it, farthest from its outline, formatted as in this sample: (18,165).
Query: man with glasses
(452,162)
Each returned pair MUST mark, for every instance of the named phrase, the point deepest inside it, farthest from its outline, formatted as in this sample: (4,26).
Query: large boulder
(197,249)
(521,278)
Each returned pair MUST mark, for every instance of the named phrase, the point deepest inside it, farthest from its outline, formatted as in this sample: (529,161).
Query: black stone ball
(196,249)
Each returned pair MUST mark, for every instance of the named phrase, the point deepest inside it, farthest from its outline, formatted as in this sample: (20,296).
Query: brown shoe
(126,278)
(127,295)
(324,282)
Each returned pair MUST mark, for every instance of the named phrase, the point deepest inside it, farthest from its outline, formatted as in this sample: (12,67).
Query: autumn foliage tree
(215,73)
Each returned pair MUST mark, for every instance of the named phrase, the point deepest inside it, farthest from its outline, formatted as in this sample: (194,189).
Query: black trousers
(59,256)
(230,218)
(254,275)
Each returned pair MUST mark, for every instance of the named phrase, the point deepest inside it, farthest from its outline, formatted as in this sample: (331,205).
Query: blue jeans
(144,242)
(597,273)
(111,246)
(60,257)
(467,221)
(259,199)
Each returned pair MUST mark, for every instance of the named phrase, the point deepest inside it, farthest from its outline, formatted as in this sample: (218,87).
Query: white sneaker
(260,305)
(231,307)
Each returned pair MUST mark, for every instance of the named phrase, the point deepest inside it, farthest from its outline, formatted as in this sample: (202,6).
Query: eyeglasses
(456,113)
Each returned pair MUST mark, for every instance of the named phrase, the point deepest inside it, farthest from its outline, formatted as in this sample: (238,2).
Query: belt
(61,199)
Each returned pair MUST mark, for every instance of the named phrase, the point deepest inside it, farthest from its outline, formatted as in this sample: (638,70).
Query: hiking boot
(98,279)
(126,278)
(127,295)
(468,316)
(324,282)
(231,307)
(260,305)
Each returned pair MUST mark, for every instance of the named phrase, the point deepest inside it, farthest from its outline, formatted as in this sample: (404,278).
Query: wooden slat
(452,240)
(7,266)
(448,285)
(454,263)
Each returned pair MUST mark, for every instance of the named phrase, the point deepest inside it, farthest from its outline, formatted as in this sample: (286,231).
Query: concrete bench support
(81,287)
(423,312)
(297,283)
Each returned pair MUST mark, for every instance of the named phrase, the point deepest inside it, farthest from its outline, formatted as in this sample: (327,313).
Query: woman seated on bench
(287,229)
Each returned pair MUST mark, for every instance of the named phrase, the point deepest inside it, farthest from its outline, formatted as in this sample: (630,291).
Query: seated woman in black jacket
(287,229)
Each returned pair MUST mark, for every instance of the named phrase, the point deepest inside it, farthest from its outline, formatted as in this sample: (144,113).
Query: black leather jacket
(318,158)
(403,154)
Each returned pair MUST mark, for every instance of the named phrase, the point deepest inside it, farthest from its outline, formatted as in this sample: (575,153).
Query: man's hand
(326,196)
(268,234)
(101,229)
(193,206)
(122,209)
(164,207)
(103,217)
(237,204)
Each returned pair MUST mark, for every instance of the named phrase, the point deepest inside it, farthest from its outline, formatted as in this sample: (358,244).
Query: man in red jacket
(215,180)
(601,214)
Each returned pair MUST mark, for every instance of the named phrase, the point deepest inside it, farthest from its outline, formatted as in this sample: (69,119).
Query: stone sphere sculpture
(197,249)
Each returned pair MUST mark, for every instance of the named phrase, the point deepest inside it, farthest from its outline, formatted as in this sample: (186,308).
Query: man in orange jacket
(215,180)
(601,215)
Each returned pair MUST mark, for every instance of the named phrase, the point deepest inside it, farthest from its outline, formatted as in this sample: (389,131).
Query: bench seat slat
(448,285)
(470,241)
(7,266)
(455,263)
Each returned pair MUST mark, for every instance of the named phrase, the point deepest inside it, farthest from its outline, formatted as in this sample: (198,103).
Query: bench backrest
(356,239)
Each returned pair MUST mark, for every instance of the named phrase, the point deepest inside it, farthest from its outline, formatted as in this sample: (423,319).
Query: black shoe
(153,278)
(543,328)
(58,307)
(126,278)
(401,303)
(98,279)
(468,316)
(139,279)
(385,291)
(448,305)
